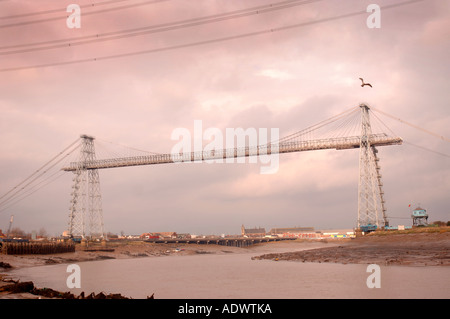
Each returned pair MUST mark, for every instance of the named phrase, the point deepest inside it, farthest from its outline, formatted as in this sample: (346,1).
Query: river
(237,276)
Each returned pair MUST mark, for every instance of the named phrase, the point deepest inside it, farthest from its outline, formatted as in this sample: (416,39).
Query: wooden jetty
(27,248)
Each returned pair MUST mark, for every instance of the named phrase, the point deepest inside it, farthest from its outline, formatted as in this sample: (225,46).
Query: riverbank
(118,250)
(406,249)
(383,248)
(113,250)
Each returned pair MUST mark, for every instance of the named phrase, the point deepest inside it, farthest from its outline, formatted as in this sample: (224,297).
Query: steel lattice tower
(371,208)
(86,215)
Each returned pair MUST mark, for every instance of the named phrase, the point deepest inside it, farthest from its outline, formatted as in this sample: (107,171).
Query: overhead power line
(59,10)
(199,43)
(75,41)
(23,23)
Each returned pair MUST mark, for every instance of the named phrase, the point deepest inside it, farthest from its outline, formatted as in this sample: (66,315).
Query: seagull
(362,85)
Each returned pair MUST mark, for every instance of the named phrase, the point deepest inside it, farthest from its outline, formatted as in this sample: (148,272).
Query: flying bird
(362,85)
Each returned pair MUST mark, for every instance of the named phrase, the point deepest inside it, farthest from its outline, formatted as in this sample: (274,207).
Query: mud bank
(418,249)
(112,251)
(13,288)
(120,250)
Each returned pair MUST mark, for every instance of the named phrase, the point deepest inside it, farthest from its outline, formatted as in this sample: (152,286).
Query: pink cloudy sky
(289,80)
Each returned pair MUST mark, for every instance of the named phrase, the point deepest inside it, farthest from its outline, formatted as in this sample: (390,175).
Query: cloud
(288,80)
(275,74)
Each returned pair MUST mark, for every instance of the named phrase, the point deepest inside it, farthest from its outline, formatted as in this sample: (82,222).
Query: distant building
(161,235)
(148,236)
(419,217)
(184,236)
(337,233)
(253,232)
(292,230)
(2,235)
(168,235)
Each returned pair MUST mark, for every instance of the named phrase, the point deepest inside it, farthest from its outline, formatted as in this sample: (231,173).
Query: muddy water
(236,275)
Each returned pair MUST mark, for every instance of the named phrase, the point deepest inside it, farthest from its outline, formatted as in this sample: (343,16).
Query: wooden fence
(36,248)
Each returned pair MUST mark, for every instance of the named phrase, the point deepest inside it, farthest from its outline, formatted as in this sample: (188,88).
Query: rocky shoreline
(22,289)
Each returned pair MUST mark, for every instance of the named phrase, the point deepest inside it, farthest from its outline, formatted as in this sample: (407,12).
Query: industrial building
(291,230)
(253,232)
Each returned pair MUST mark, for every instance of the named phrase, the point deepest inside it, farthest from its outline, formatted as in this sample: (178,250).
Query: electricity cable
(17,24)
(199,43)
(29,14)
(154,28)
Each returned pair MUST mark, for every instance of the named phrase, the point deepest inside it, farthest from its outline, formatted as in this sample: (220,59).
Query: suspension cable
(414,126)
(15,191)
(318,125)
